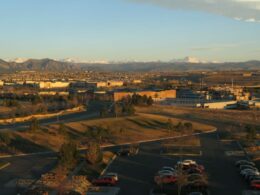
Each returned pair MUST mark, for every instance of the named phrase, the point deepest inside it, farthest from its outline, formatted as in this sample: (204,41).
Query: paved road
(29,167)
(73,117)
(136,172)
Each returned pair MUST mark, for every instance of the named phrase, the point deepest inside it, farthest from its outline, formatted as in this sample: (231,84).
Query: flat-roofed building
(52,85)
(156,95)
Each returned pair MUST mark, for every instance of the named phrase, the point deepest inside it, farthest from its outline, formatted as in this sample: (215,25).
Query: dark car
(253,177)
(244,162)
(193,171)
(242,167)
(123,152)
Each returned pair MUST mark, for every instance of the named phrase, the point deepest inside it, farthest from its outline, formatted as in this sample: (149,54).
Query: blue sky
(127,30)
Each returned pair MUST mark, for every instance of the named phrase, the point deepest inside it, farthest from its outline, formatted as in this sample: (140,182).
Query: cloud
(244,10)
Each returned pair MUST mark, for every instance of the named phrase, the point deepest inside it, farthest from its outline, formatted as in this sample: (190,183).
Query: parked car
(244,162)
(166,172)
(104,181)
(255,184)
(165,179)
(242,167)
(193,170)
(113,175)
(253,177)
(245,171)
(249,174)
(123,152)
(168,169)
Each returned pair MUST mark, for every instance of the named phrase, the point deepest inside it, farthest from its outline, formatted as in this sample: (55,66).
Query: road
(73,117)
(136,172)
(29,167)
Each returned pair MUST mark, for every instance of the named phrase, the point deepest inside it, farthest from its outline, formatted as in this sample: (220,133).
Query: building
(101,84)
(115,83)
(219,105)
(53,85)
(1,83)
(96,84)
(136,81)
(156,95)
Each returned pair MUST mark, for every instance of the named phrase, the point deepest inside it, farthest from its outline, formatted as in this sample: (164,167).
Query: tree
(150,101)
(179,127)
(251,132)
(103,112)
(5,138)
(188,126)
(34,125)
(170,125)
(117,110)
(93,154)
(68,154)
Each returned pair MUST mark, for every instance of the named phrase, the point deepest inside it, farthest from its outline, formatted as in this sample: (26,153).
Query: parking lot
(136,173)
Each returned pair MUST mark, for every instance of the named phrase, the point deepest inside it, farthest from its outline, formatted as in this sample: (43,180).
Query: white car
(113,175)
(190,162)
(168,169)
(249,171)
(166,172)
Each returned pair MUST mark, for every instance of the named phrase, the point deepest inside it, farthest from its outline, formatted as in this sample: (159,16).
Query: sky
(126,30)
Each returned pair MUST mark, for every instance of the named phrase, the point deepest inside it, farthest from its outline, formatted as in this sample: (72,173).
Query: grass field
(121,130)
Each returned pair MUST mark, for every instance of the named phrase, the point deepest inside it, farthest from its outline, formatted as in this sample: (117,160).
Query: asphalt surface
(136,172)
(73,117)
(29,167)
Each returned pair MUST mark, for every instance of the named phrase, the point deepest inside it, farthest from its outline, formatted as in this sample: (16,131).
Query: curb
(108,165)
(4,166)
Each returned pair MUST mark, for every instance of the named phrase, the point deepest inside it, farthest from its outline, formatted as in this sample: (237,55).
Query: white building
(52,85)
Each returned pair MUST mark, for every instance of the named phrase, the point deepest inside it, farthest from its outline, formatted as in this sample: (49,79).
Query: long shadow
(25,146)
(142,124)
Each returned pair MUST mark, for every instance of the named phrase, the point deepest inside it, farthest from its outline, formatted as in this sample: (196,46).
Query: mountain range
(188,64)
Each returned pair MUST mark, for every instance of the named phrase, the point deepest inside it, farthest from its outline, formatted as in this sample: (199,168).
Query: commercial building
(104,84)
(53,85)
(156,95)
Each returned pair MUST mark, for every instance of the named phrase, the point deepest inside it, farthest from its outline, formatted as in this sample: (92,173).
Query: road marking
(183,154)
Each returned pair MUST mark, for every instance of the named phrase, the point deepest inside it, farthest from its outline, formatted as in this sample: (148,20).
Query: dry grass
(121,130)
(192,141)
(211,115)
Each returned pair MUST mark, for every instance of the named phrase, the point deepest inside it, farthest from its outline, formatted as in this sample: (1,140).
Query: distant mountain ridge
(190,64)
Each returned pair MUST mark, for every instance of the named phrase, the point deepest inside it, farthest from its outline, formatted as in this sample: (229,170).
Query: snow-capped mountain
(188,59)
